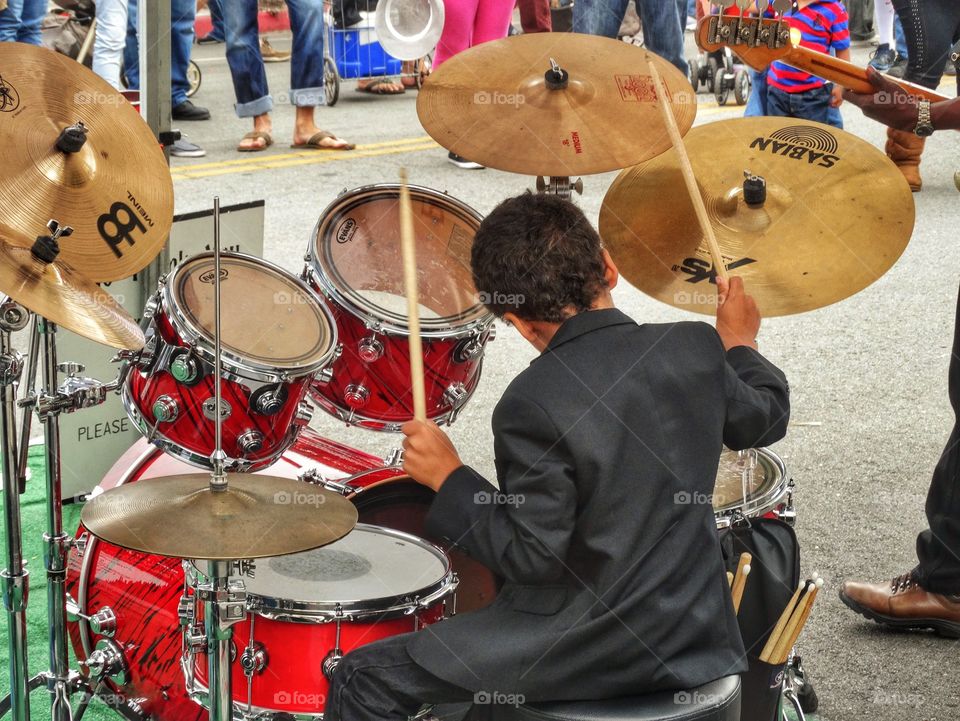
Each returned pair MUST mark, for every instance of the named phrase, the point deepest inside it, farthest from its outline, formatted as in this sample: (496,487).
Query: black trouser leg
(938,548)
(380,682)
(930,28)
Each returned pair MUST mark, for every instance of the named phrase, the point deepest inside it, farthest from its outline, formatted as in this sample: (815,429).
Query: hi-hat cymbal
(836,217)
(492,104)
(255,517)
(58,293)
(115,191)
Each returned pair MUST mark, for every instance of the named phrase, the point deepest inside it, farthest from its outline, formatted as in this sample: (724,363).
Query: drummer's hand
(428,454)
(888,104)
(738,319)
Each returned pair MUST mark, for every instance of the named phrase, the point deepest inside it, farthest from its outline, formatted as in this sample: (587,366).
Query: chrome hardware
(107,662)
(244,567)
(253,659)
(394,459)
(314,476)
(559,185)
(325,375)
(210,404)
(356,395)
(455,395)
(195,638)
(232,601)
(250,441)
(70,368)
(185,368)
(304,414)
(80,543)
(333,658)
(11,366)
(186,609)
(104,622)
(165,409)
(269,401)
(370,349)
(13,316)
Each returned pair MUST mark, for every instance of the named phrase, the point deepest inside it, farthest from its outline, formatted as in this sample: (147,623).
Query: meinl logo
(816,146)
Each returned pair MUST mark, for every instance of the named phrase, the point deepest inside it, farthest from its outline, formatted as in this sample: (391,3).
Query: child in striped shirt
(793,93)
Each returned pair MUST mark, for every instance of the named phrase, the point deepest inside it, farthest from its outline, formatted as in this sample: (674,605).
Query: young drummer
(601,524)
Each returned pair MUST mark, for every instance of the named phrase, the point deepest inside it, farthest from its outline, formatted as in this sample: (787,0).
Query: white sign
(93,439)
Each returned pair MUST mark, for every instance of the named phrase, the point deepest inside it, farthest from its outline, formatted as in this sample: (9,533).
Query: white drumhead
(370,563)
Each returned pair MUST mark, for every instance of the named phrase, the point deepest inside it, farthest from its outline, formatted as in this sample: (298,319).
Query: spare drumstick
(740,580)
(729,579)
(781,622)
(687,171)
(409,252)
(790,642)
(783,647)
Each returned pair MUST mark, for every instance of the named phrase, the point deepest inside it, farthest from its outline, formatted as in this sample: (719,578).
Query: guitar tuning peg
(781,6)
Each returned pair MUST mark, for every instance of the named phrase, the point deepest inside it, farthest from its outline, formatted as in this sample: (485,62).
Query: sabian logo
(346,230)
(801,142)
(9,97)
(699,269)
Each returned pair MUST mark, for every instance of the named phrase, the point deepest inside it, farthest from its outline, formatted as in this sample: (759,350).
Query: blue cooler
(359,55)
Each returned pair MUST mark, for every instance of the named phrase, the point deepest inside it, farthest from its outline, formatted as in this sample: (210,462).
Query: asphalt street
(868,375)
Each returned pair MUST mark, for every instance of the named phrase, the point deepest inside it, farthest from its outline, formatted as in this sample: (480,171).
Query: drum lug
(186,610)
(269,400)
(325,375)
(304,414)
(469,349)
(80,544)
(195,638)
(102,623)
(250,441)
(107,662)
(185,368)
(370,349)
(789,512)
(356,395)
(253,660)
(335,655)
(165,409)
(394,459)
(455,396)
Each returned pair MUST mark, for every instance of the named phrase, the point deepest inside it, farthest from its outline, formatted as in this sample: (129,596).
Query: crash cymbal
(492,104)
(115,190)
(257,516)
(836,216)
(61,295)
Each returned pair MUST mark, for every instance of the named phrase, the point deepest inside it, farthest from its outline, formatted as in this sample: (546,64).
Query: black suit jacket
(606,454)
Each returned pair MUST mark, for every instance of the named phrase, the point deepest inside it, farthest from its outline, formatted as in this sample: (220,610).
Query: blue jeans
(183,13)
(808,105)
(216,17)
(246,63)
(21,20)
(901,39)
(757,102)
(662,33)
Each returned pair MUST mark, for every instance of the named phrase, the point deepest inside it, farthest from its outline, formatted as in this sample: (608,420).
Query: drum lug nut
(330,663)
(455,395)
(196,638)
(186,609)
(253,659)
(356,395)
(269,401)
(250,441)
(165,409)
(210,413)
(107,662)
(370,349)
(104,622)
(304,414)
(185,369)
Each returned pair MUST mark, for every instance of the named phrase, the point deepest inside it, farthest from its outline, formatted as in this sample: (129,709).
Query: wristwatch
(924,125)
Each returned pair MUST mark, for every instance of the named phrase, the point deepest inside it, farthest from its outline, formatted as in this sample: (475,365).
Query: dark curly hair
(538,257)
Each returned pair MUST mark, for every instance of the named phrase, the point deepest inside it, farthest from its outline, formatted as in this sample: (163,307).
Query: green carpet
(33,518)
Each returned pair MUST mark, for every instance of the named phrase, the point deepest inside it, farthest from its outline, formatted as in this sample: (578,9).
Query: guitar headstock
(758,41)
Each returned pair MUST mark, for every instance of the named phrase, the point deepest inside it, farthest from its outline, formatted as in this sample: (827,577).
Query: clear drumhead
(368,567)
(357,259)
(268,316)
(752,481)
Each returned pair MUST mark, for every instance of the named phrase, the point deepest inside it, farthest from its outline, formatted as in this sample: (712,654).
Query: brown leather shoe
(903,604)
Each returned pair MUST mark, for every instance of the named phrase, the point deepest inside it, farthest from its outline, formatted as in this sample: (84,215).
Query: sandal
(376,87)
(255,135)
(317,138)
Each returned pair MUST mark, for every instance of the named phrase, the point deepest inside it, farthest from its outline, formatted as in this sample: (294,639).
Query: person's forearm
(946,115)
(844,54)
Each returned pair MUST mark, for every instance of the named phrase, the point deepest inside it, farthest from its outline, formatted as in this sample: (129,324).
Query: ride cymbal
(58,293)
(255,517)
(836,216)
(495,104)
(115,189)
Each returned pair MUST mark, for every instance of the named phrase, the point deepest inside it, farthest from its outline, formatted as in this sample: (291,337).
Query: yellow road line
(291,160)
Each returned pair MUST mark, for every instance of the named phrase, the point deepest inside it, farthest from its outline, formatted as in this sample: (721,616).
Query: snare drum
(354,261)
(275,337)
(752,484)
(307,610)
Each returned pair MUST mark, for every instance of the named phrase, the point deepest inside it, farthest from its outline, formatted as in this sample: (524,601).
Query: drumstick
(782,648)
(729,579)
(687,170)
(781,622)
(409,251)
(740,580)
(807,608)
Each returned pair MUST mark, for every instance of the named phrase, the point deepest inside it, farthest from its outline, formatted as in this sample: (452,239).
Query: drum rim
(764,502)
(201,342)
(469,322)
(289,609)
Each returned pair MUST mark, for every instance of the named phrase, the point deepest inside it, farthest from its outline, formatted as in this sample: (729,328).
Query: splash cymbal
(63,296)
(255,517)
(837,215)
(113,187)
(493,104)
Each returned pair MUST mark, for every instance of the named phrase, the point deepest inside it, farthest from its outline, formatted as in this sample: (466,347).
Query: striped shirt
(823,27)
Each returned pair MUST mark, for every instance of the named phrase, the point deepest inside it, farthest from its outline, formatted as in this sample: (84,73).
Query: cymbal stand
(14,577)
(559,185)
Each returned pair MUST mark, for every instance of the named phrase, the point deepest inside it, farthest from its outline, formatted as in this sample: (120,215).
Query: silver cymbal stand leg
(13,578)
(55,540)
(220,612)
